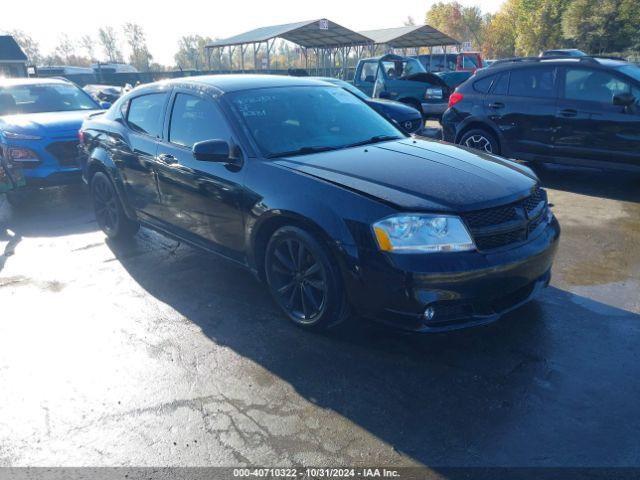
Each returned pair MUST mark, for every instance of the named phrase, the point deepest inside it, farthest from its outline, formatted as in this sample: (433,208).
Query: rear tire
(304,280)
(480,139)
(110,215)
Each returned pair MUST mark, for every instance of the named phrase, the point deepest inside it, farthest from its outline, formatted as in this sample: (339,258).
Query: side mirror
(624,99)
(369,79)
(105,105)
(212,151)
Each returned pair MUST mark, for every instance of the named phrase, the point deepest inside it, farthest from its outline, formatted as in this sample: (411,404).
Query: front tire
(482,140)
(110,215)
(303,280)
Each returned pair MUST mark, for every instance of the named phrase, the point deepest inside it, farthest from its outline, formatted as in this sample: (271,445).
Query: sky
(165,22)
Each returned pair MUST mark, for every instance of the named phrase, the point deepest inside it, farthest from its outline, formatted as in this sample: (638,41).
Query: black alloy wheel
(480,140)
(302,279)
(109,212)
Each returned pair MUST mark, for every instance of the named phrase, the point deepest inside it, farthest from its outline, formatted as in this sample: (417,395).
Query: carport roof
(10,51)
(412,36)
(309,34)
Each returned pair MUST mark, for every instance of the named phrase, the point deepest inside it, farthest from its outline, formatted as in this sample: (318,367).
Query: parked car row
(336,208)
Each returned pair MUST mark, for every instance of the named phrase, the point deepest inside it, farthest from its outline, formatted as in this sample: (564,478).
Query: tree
(109,41)
(65,49)
(539,25)
(465,24)
(192,54)
(29,46)
(87,43)
(603,25)
(140,56)
(499,40)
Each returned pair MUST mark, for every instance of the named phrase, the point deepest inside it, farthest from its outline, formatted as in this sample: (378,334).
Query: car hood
(48,124)
(413,174)
(397,110)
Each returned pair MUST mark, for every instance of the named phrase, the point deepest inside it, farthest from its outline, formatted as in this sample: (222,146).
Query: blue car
(39,123)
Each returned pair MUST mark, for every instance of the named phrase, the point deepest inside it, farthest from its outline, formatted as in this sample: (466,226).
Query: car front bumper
(464,289)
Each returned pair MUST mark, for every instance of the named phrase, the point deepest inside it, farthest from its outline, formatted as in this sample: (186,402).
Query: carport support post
(255,59)
(231,58)
(242,50)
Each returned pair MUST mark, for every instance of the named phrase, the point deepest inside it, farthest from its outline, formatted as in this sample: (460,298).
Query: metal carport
(322,36)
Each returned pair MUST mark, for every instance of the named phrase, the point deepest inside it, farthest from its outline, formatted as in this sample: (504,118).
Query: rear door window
(538,82)
(144,113)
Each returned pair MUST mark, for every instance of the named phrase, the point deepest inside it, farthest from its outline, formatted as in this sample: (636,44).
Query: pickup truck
(405,80)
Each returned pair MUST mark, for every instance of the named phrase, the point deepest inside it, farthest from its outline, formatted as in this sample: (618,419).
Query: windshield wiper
(374,139)
(302,151)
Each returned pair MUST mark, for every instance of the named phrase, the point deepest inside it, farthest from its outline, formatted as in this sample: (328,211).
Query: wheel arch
(480,125)
(101,161)
(266,226)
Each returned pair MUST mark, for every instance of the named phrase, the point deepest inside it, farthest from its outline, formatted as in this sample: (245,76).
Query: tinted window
(484,84)
(533,82)
(593,85)
(145,113)
(194,120)
(469,61)
(501,86)
(288,119)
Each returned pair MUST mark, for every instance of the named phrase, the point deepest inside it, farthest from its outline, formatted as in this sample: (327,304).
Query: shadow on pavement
(587,181)
(553,383)
(51,212)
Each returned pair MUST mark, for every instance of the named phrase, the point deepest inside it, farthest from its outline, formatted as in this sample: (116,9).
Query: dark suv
(583,111)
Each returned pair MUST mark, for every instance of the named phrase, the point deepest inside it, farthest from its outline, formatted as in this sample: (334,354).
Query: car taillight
(454,98)
(80,136)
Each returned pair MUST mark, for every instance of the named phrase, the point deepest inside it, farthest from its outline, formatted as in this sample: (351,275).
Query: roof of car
(533,61)
(238,82)
(10,82)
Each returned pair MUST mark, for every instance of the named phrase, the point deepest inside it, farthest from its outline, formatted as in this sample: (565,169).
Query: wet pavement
(157,354)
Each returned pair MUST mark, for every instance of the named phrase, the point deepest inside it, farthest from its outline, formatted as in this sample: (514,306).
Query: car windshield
(632,70)
(38,98)
(308,119)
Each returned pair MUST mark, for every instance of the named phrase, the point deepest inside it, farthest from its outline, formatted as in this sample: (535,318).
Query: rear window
(533,82)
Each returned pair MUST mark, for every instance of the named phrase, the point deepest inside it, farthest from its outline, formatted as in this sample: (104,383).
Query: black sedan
(405,116)
(334,207)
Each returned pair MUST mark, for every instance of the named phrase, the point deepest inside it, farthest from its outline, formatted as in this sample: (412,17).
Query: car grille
(66,153)
(507,225)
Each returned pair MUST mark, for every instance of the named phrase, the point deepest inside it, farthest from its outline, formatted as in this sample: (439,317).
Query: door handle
(167,159)
(569,112)
(496,105)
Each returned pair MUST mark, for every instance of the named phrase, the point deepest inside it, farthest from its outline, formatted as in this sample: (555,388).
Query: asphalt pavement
(155,354)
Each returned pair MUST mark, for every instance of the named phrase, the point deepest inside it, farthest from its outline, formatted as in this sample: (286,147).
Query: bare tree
(66,48)
(140,56)
(87,43)
(29,46)
(109,41)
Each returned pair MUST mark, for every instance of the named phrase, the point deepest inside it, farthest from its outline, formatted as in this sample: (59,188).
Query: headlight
(20,136)
(416,233)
